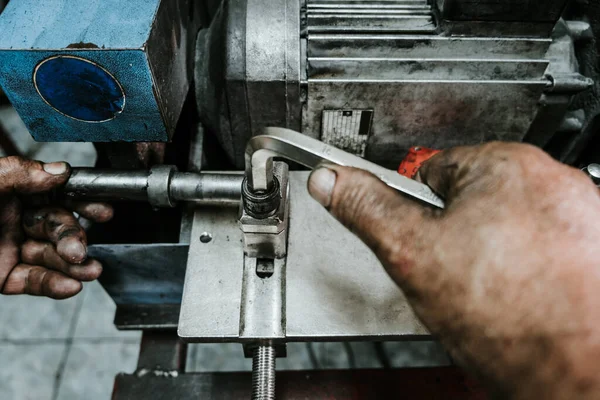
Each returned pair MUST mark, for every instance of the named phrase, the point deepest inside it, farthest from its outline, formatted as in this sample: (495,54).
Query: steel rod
(207,188)
(201,188)
(98,184)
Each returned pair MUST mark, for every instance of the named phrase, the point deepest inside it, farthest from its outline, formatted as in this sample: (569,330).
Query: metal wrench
(294,146)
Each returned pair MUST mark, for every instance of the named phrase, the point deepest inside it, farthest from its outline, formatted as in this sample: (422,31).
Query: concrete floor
(62,349)
(70,349)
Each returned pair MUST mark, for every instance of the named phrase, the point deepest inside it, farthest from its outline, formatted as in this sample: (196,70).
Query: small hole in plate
(205,237)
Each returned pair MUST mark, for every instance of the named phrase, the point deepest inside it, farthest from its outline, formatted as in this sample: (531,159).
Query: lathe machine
(216,237)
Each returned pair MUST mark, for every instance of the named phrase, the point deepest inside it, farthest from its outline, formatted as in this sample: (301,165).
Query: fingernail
(56,168)
(321,184)
(73,250)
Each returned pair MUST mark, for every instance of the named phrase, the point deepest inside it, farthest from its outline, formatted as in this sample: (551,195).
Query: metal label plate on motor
(347,130)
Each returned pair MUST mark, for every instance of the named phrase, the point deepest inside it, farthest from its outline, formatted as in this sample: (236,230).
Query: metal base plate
(336,289)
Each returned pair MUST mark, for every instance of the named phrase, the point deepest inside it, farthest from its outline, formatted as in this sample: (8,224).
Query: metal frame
(161,370)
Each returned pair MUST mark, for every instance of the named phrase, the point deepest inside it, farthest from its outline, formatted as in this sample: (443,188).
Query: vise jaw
(267,237)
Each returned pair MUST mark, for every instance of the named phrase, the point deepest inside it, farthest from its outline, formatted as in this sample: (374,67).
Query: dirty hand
(43,249)
(507,276)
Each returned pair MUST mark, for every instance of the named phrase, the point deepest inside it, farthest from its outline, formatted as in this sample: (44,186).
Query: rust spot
(82,45)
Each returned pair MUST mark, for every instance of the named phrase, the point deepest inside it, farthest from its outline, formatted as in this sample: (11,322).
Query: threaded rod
(263,373)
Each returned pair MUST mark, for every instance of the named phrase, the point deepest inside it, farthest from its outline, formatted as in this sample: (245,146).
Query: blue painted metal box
(98,70)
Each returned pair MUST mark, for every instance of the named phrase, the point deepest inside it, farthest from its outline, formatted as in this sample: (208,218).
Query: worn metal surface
(273,62)
(98,24)
(505,29)
(207,188)
(565,83)
(127,155)
(532,18)
(248,71)
(220,77)
(418,383)
(284,143)
(143,47)
(161,186)
(393,69)
(170,50)
(370,16)
(551,112)
(267,237)
(139,121)
(479,80)
(435,114)
(327,296)
(142,274)
(431,89)
(159,181)
(508,10)
(583,147)
(423,46)
(196,159)
(99,184)
(161,352)
(262,311)
(213,284)
(64,82)
(147,317)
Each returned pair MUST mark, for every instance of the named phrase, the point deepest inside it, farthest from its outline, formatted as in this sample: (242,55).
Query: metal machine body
(253,261)
(375,77)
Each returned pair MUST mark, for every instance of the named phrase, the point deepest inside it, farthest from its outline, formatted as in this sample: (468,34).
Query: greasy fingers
(27,176)
(39,281)
(97,212)
(393,226)
(36,268)
(11,235)
(60,227)
(44,253)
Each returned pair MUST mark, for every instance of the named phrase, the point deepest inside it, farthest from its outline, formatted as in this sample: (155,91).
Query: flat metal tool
(294,146)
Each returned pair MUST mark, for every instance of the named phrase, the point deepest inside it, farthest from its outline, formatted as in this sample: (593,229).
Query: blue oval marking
(79,88)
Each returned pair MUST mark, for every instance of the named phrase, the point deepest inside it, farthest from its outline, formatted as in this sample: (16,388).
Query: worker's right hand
(43,249)
(507,275)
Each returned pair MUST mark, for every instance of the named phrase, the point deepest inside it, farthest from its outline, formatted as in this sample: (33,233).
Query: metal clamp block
(267,237)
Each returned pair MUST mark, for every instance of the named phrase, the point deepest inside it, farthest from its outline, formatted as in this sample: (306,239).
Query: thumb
(393,226)
(26,176)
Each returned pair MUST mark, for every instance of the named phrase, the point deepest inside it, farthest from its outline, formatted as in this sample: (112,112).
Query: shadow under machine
(176,96)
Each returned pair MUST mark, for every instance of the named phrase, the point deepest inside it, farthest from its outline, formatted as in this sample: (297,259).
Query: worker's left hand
(43,250)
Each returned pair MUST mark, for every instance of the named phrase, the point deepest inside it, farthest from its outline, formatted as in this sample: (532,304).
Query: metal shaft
(263,373)
(279,142)
(162,186)
(207,188)
(98,184)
